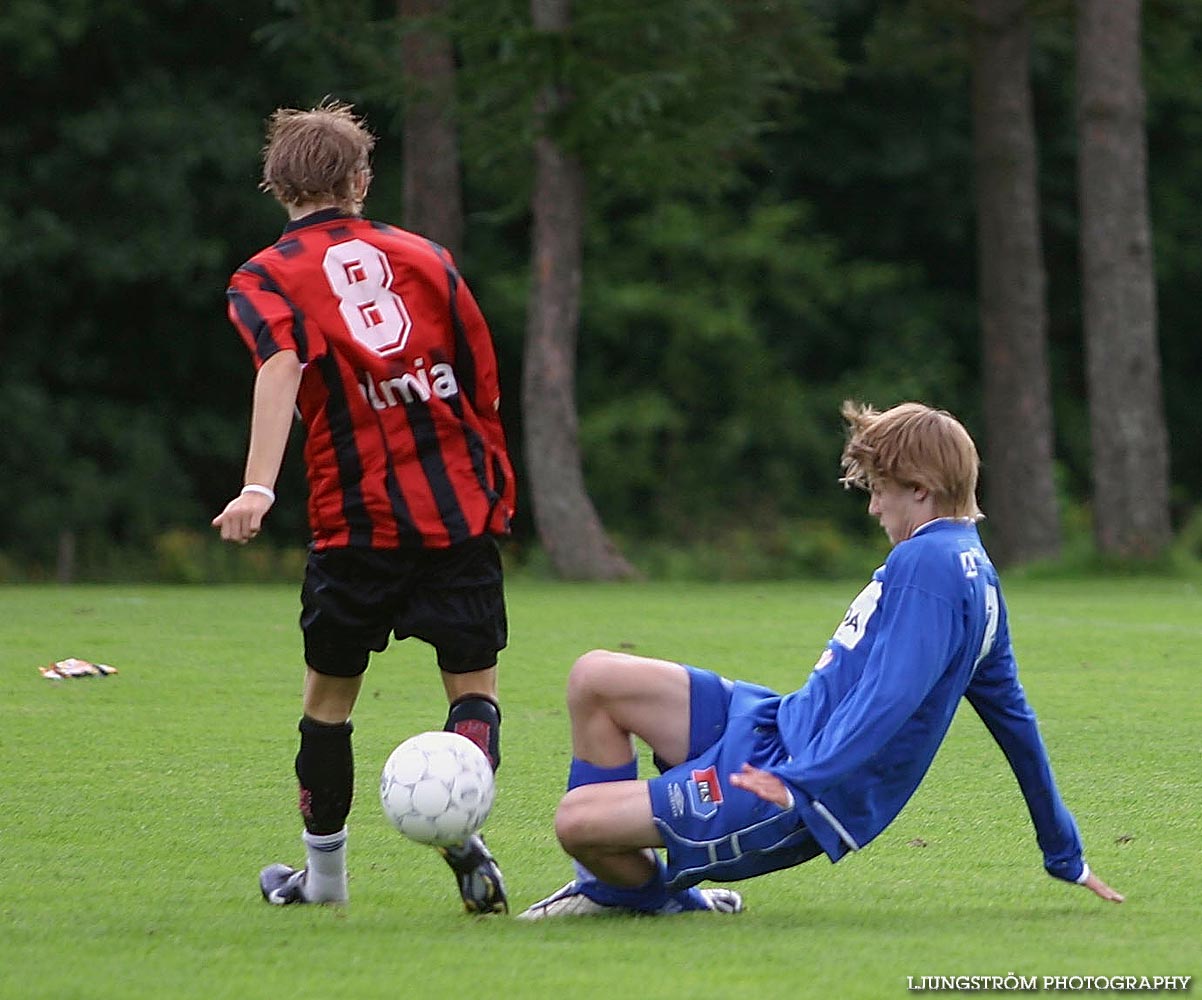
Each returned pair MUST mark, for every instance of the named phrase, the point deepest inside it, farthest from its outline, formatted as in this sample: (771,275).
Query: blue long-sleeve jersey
(930,627)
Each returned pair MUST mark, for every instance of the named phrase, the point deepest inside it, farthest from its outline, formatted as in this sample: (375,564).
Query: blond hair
(316,156)
(912,444)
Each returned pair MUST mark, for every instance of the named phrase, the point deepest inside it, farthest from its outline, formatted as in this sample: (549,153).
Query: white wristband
(266,491)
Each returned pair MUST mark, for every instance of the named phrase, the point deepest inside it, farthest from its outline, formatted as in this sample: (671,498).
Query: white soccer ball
(437,788)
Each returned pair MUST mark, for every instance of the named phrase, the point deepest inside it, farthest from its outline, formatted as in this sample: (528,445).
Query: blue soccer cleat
(282,885)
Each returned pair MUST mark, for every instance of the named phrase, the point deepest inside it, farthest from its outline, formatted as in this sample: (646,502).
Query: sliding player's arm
(998,698)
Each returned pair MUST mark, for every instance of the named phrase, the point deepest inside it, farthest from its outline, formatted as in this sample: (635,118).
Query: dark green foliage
(667,97)
(718,355)
(127,194)
(780,216)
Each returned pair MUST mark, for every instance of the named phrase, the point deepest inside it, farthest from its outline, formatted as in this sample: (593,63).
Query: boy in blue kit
(753,781)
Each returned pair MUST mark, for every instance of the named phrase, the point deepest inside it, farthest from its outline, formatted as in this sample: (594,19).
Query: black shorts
(354,599)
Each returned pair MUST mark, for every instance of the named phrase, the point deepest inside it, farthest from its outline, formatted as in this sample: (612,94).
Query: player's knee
(586,679)
(575,820)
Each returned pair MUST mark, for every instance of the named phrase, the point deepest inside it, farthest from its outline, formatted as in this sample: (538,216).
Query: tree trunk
(65,563)
(1126,408)
(1020,494)
(432,193)
(564,516)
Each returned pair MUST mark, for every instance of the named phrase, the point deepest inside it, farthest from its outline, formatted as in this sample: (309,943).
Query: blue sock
(651,897)
(581,772)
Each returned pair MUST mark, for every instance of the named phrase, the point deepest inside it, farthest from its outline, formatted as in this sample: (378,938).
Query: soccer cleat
(571,902)
(282,885)
(723,900)
(477,875)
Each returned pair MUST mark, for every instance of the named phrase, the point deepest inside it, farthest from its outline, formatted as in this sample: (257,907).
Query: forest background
(781,214)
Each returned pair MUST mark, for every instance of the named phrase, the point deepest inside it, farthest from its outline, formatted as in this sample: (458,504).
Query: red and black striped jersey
(399,389)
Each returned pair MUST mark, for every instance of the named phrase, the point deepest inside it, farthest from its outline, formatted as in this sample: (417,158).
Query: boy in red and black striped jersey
(369,333)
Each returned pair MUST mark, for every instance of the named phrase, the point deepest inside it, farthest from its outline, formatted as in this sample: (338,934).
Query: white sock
(325,878)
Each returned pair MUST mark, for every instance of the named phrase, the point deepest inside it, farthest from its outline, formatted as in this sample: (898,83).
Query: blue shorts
(711,829)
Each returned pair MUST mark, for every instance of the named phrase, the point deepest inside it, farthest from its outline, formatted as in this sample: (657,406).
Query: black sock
(477,717)
(325,769)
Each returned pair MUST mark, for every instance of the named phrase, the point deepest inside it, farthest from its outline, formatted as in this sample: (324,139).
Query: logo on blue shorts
(676,799)
(705,794)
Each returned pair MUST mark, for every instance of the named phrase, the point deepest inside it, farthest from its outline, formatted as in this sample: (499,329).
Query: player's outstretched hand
(767,786)
(1096,885)
(242,517)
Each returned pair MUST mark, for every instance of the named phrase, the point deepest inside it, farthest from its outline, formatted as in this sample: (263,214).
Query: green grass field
(138,809)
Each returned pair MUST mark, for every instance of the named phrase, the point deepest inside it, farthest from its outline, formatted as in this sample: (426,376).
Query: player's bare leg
(609,829)
(605,822)
(330,699)
(614,696)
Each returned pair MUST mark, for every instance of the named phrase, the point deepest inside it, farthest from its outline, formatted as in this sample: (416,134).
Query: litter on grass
(74,667)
